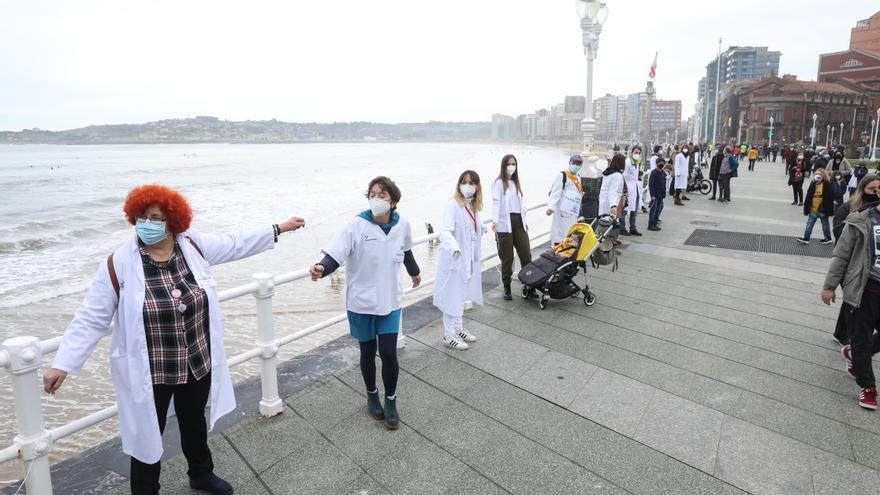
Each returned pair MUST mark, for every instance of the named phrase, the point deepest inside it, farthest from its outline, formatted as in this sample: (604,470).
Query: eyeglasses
(152,220)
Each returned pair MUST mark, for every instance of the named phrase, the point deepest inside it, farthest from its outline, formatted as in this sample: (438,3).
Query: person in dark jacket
(819,204)
(838,187)
(714,168)
(866,194)
(657,187)
(796,173)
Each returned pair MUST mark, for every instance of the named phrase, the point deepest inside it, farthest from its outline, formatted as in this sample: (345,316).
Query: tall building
(503,127)
(635,116)
(738,63)
(665,114)
(866,35)
(605,113)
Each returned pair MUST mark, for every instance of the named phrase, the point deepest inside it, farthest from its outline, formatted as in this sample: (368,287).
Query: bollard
(25,358)
(270,404)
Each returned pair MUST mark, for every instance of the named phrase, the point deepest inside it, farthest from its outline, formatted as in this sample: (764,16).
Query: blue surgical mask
(150,231)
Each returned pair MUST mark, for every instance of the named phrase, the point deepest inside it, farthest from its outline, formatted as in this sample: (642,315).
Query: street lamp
(840,137)
(771,130)
(813,133)
(828,135)
(874,142)
(831,136)
(592,14)
(739,131)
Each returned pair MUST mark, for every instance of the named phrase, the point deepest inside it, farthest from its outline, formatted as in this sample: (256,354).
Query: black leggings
(387,345)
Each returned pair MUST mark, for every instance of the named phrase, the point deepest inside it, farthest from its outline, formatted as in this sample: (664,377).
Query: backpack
(605,254)
(564,179)
(112,270)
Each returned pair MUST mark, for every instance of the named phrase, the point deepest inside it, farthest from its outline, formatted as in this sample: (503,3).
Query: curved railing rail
(22,357)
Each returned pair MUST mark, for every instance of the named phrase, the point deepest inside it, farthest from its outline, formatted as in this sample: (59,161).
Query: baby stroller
(552,275)
(698,183)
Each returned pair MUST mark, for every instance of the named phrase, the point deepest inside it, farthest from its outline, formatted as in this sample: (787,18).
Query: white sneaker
(465,335)
(455,343)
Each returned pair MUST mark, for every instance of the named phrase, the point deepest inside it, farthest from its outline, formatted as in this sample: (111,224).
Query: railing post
(401,338)
(25,358)
(270,404)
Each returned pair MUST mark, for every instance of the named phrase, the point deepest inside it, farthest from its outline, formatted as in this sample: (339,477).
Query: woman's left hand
(292,224)
(417,280)
(828,296)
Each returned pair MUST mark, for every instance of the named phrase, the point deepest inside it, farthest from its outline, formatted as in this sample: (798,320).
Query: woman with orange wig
(168,341)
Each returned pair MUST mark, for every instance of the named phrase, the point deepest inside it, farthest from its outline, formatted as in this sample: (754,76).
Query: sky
(70,64)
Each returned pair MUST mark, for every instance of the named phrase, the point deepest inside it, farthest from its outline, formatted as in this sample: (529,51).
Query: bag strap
(112,270)
(113,279)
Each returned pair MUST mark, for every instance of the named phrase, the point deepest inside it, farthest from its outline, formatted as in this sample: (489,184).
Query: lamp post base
(588,129)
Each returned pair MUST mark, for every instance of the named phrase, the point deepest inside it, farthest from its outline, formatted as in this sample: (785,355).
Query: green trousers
(517,239)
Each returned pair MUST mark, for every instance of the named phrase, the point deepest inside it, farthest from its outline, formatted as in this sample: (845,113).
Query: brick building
(860,63)
(791,103)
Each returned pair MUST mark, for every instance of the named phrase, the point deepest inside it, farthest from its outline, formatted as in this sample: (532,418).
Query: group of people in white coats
(168,343)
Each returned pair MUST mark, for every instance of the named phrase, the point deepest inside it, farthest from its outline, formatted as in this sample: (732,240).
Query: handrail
(22,357)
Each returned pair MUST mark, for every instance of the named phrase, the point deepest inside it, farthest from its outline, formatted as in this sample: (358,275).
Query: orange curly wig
(174,206)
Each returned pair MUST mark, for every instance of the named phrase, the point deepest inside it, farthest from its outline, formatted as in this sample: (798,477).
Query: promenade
(698,370)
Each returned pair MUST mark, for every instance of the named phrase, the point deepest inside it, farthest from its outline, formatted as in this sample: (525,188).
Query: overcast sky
(68,64)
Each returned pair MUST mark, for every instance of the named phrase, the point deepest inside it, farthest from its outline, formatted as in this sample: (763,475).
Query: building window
(851,63)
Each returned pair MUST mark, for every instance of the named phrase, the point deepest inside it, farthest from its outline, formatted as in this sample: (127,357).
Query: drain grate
(705,223)
(758,243)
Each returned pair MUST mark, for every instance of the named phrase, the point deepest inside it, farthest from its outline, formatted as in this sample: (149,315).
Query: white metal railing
(22,357)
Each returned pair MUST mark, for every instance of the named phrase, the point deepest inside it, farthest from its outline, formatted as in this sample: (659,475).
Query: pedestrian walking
(509,221)
(774,150)
(838,187)
(727,170)
(753,157)
(714,171)
(374,247)
(796,179)
(859,172)
(819,204)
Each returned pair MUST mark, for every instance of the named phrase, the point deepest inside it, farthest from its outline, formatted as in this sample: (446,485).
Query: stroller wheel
(589,299)
(542,303)
(525,292)
(705,187)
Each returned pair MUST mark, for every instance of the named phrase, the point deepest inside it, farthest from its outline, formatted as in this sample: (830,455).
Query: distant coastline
(205,129)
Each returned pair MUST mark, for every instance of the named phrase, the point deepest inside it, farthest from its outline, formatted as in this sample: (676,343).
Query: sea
(61,216)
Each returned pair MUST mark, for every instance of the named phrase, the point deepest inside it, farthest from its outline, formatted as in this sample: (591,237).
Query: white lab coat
(500,211)
(681,171)
(373,261)
(566,205)
(459,277)
(610,193)
(633,186)
(129,361)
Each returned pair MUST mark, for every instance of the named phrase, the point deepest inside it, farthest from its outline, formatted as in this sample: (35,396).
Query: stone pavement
(698,370)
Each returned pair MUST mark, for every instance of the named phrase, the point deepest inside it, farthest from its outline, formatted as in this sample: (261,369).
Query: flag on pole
(654,66)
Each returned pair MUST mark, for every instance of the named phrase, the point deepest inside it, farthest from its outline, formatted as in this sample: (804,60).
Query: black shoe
(212,484)
(507,296)
(826,241)
(794,203)
(712,198)
(644,210)
(392,419)
(374,406)
(653,229)
(685,198)
(634,232)
(624,232)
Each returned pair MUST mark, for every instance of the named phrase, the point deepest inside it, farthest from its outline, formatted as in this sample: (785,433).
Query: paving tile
(364,485)
(614,401)
(418,467)
(507,358)
(315,468)
(263,441)
(557,378)
(472,482)
(682,429)
(227,464)
(866,447)
(451,375)
(367,441)
(327,402)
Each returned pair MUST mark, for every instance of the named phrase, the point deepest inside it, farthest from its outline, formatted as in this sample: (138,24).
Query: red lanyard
(473,217)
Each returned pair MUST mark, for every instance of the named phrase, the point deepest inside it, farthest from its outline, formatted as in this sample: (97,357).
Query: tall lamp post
(771,131)
(813,132)
(593,14)
(840,136)
(828,136)
(739,131)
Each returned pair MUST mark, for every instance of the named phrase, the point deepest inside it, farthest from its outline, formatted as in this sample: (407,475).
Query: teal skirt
(365,327)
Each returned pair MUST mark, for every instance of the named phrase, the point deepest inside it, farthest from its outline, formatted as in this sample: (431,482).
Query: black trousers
(864,343)
(714,187)
(798,191)
(517,238)
(724,182)
(751,164)
(841,329)
(189,406)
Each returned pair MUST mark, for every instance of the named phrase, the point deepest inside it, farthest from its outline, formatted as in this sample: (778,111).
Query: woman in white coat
(374,247)
(564,203)
(168,342)
(612,186)
(633,191)
(459,264)
(509,221)
(681,174)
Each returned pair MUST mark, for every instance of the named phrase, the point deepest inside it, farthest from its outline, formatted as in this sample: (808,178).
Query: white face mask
(800,157)
(467,190)
(637,157)
(511,169)
(817,179)
(379,207)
